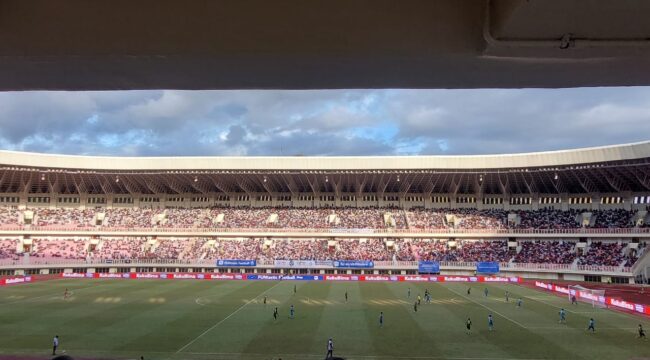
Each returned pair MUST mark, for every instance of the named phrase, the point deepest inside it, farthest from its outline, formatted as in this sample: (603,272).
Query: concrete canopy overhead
(322,44)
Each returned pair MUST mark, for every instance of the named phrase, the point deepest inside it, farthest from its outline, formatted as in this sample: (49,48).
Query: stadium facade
(581,182)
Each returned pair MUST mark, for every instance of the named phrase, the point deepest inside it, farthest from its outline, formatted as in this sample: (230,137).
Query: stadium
(183,253)
(458,193)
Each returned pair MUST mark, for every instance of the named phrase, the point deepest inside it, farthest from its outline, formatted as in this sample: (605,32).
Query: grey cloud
(343,122)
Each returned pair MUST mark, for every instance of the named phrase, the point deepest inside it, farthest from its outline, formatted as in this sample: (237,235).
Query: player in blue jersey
(562,316)
(490,322)
(381,319)
(592,325)
(291,311)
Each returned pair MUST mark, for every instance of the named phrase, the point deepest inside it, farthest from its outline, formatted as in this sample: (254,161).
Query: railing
(266,263)
(448,231)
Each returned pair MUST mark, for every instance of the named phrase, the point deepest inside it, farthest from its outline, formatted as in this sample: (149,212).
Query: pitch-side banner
(354,264)
(15,280)
(302,263)
(639,308)
(236,262)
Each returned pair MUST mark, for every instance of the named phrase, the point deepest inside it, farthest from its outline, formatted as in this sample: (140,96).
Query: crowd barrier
(278,277)
(586,296)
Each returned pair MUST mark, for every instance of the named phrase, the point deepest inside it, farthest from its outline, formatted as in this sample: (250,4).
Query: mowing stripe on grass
(49,295)
(226,318)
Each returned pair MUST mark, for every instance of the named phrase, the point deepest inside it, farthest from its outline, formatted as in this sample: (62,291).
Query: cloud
(331,122)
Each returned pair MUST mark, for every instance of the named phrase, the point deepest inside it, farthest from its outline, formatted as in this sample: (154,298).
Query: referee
(330,349)
(55,344)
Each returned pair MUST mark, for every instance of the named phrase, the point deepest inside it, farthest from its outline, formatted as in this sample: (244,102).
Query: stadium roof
(297,44)
(606,169)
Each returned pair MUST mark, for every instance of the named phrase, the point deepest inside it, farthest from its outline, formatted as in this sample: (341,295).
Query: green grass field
(172,319)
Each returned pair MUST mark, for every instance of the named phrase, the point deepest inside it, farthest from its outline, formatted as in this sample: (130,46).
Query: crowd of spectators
(317,218)
(64,217)
(59,248)
(548,219)
(550,252)
(615,218)
(419,218)
(600,253)
(479,219)
(121,248)
(9,216)
(8,249)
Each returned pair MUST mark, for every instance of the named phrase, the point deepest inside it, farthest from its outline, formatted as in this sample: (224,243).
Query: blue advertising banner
(487,267)
(354,264)
(428,267)
(235,262)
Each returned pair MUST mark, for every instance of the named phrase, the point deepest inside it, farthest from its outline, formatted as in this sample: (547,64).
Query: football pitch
(188,319)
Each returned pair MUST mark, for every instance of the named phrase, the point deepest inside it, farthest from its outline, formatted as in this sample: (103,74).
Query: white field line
(485,306)
(224,319)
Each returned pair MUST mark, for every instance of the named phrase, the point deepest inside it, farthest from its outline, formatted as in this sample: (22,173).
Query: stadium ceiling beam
(529,181)
(25,182)
(179,183)
(245,185)
(105,185)
(405,187)
(381,186)
(585,182)
(504,183)
(430,185)
(337,184)
(291,184)
(220,185)
(613,180)
(360,184)
(154,186)
(171,183)
(80,184)
(198,183)
(454,185)
(3,178)
(479,184)
(440,182)
(642,177)
(266,184)
(314,185)
(130,186)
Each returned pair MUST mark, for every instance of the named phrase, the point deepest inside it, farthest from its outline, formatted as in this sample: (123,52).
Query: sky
(323,122)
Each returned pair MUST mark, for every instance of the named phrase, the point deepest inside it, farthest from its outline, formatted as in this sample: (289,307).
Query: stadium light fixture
(117,179)
(42,177)
(196,179)
(265,179)
(555,177)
